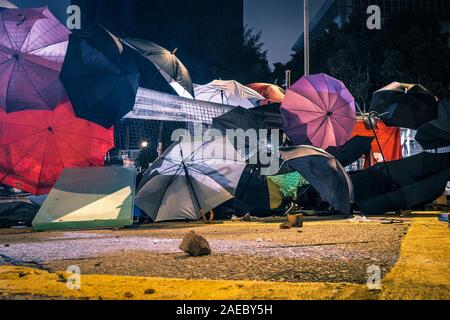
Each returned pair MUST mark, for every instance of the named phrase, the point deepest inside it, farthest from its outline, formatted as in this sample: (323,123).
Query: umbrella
(33,44)
(405,105)
(228,92)
(354,149)
(436,134)
(36,146)
(271,114)
(239,118)
(167,63)
(416,181)
(189,179)
(6,4)
(318,110)
(100,76)
(242,123)
(325,174)
(271,92)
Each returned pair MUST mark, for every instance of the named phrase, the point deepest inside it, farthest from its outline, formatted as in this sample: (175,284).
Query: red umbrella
(318,110)
(36,146)
(272,92)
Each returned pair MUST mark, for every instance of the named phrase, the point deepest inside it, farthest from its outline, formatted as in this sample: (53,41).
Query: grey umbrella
(190,179)
(325,174)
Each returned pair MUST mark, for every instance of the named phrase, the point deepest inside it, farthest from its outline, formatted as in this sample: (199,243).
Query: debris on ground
(285,226)
(195,245)
(295,220)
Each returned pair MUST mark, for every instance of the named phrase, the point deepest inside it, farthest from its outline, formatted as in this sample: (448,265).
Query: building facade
(201,30)
(339,12)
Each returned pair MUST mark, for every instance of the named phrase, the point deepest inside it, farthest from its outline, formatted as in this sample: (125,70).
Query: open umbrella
(271,92)
(33,44)
(354,149)
(100,76)
(36,146)
(325,174)
(239,118)
(318,110)
(436,134)
(167,63)
(190,179)
(228,92)
(405,105)
(271,114)
(416,181)
(4,4)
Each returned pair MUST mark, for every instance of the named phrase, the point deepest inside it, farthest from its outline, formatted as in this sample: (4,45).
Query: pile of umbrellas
(61,94)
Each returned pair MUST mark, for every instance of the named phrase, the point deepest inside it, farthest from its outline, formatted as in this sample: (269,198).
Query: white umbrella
(228,92)
(190,179)
(7,4)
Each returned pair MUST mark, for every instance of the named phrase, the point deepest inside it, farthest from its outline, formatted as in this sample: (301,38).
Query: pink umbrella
(33,45)
(318,110)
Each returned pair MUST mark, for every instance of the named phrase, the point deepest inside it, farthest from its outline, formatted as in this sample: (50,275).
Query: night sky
(281,21)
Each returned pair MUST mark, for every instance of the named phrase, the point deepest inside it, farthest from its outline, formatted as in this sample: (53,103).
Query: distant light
(144,144)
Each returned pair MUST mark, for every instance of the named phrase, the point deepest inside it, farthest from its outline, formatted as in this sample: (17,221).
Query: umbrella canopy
(271,92)
(325,174)
(190,179)
(417,180)
(239,118)
(436,134)
(6,4)
(405,105)
(33,44)
(36,146)
(228,92)
(167,63)
(100,76)
(318,110)
(271,114)
(354,149)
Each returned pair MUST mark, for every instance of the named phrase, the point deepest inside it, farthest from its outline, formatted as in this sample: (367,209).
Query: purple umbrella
(318,110)
(33,45)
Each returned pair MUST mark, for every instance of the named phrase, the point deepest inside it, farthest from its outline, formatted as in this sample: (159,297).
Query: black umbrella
(100,76)
(405,105)
(167,63)
(354,149)
(436,134)
(239,118)
(325,174)
(271,114)
(416,181)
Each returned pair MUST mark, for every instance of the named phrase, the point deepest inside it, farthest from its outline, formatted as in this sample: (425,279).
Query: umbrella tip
(174,50)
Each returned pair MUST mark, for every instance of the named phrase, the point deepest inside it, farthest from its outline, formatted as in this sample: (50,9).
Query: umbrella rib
(320,97)
(78,152)
(8,35)
(83,135)
(24,49)
(42,164)
(19,160)
(10,59)
(32,83)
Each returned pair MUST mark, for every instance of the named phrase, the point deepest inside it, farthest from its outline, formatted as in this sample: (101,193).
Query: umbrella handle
(211,216)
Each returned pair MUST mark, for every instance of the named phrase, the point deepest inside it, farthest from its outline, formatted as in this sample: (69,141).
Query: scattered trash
(259,240)
(247,217)
(443,217)
(149,291)
(358,219)
(195,245)
(128,295)
(295,220)
(285,226)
